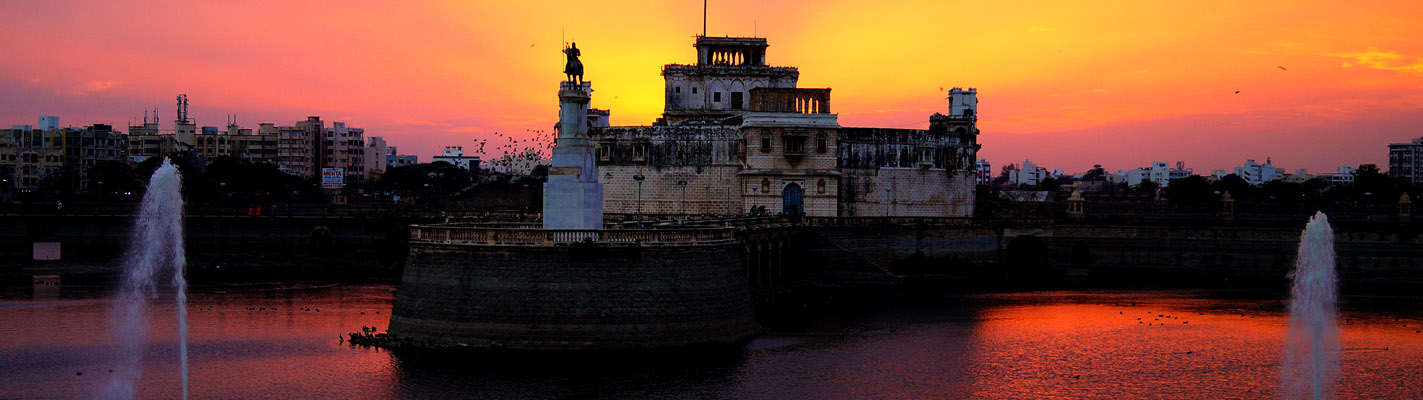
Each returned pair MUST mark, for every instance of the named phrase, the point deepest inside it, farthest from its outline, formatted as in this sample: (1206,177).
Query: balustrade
(478,235)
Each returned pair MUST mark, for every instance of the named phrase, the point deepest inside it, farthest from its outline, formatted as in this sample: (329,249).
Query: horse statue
(574,68)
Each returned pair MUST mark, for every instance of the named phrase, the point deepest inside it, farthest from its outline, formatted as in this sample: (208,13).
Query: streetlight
(683,184)
(639,179)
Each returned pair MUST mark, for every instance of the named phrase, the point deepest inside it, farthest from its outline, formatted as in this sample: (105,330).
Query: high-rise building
(983,172)
(28,157)
(297,147)
(257,147)
(345,148)
(86,148)
(1405,160)
(375,157)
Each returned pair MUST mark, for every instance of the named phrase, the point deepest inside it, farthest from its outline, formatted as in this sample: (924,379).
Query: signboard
(44,251)
(331,178)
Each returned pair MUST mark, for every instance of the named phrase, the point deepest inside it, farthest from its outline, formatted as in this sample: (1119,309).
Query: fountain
(1311,362)
(156,247)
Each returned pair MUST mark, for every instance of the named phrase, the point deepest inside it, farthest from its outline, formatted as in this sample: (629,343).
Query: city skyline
(1118,84)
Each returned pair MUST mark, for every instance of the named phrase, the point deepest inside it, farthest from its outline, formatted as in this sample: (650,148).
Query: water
(1312,345)
(156,248)
(269,341)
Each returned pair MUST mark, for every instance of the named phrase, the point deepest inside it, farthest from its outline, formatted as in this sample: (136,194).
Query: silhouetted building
(1405,160)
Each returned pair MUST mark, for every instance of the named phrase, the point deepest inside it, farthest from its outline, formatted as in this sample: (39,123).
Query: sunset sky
(1065,84)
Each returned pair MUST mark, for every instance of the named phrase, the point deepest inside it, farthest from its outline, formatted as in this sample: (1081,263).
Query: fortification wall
(712,189)
(911,192)
(580,297)
(1143,255)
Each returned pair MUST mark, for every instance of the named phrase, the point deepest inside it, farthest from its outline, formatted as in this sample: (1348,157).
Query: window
(820,186)
(677,89)
(639,152)
(795,144)
(736,98)
(765,185)
(765,143)
(694,90)
(605,152)
(716,97)
(820,145)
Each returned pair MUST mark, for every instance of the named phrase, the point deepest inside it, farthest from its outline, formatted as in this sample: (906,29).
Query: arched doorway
(791,200)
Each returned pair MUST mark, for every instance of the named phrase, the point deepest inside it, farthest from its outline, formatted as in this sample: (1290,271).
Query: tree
(1050,184)
(1283,194)
(1146,186)
(1006,175)
(1238,188)
(427,178)
(1373,186)
(1189,192)
(112,180)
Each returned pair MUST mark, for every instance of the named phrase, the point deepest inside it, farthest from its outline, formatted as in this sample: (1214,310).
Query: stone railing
(790,100)
(503,236)
(926,221)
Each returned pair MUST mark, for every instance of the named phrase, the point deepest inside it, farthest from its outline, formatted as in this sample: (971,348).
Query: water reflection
(281,341)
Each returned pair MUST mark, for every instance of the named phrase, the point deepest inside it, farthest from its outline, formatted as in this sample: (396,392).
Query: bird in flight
(1282,67)
(1237,92)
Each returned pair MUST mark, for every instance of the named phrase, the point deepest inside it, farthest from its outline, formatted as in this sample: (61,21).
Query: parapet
(790,100)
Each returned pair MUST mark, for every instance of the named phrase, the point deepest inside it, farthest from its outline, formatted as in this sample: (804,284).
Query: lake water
(269,341)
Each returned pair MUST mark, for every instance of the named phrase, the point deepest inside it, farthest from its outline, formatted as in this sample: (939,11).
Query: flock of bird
(508,151)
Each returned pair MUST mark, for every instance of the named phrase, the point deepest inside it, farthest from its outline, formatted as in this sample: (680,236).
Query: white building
(1257,174)
(1028,174)
(984,172)
(455,155)
(1344,174)
(1159,172)
(345,148)
(376,161)
(49,122)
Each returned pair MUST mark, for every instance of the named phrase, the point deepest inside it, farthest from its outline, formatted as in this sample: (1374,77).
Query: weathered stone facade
(737,135)
(700,161)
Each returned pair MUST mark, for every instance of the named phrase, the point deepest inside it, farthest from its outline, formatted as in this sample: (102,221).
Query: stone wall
(573,297)
(1140,255)
(708,158)
(917,192)
(709,190)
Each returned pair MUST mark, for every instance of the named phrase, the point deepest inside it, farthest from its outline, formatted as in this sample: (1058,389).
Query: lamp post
(683,184)
(639,179)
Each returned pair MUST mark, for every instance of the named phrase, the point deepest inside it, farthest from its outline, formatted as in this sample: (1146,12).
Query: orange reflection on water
(1086,347)
(1077,346)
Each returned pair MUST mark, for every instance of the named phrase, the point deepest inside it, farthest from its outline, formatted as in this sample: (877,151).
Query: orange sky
(1066,84)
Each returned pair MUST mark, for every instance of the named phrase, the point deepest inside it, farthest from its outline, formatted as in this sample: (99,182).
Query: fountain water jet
(156,244)
(1311,362)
